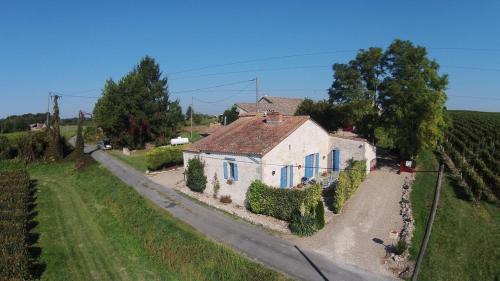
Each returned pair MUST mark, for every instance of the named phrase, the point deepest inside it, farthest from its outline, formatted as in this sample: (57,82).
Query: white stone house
(278,150)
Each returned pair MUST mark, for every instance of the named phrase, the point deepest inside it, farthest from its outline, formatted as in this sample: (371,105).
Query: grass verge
(465,238)
(136,160)
(94,227)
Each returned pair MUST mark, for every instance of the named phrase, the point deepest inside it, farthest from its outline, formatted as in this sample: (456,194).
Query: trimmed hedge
(281,203)
(162,157)
(14,212)
(348,182)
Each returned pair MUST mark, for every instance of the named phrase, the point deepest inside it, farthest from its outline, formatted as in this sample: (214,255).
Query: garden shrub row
(162,157)
(303,208)
(348,182)
(14,213)
(281,203)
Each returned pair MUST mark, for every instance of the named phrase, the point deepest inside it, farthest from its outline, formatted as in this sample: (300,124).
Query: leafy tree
(355,89)
(231,115)
(15,123)
(412,98)
(324,113)
(137,108)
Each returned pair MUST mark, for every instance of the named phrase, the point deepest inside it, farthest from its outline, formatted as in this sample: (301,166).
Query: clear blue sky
(72,48)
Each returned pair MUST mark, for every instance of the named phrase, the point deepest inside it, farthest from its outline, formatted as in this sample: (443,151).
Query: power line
(262,59)
(253,70)
(320,53)
(226,99)
(211,87)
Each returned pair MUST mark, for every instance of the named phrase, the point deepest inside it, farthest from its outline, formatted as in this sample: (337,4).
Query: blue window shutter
(283,177)
(337,160)
(316,164)
(235,171)
(308,166)
(291,176)
(225,170)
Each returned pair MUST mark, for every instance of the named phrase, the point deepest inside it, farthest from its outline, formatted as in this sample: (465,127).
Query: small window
(231,170)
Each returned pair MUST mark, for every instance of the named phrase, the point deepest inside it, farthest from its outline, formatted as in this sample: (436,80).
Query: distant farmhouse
(285,106)
(279,149)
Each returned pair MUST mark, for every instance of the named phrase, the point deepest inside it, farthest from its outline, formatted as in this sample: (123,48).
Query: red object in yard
(348,128)
(407,166)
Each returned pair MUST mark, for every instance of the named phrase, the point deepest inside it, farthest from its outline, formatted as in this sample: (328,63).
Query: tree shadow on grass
(37,267)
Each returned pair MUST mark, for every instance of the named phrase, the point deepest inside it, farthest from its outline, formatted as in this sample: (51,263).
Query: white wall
(352,149)
(308,139)
(249,169)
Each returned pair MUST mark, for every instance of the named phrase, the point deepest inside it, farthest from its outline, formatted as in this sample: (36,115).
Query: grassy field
(465,239)
(94,227)
(14,135)
(136,160)
(68,131)
(187,134)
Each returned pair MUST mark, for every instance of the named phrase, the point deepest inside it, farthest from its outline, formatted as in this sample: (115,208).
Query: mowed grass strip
(137,160)
(94,227)
(465,238)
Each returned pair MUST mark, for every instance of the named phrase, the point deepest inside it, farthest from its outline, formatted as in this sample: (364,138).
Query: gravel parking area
(369,221)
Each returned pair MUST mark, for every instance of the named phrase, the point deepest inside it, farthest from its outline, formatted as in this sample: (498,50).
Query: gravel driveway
(369,216)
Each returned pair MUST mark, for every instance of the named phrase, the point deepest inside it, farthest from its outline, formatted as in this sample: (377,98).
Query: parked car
(104,145)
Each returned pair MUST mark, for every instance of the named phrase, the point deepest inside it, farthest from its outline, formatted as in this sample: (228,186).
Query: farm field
(473,144)
(94,227)
(465,239)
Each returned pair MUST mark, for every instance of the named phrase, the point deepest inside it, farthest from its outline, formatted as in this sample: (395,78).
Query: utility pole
(428,229)
(191,117)
(48,109)
(256,94)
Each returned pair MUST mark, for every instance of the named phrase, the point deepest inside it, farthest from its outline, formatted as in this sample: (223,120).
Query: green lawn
(68,131)
(136,160)
(15,135)
(196,136)
(94,227)
(465,239)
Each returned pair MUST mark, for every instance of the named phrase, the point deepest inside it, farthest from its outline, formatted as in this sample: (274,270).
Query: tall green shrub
(348,182)
(319,214)
(162,157)
(195,175)
(281,203)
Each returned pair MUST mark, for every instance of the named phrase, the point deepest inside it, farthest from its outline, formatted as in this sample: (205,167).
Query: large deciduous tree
(397,92)
(137,108)
(412,98)
(354,90)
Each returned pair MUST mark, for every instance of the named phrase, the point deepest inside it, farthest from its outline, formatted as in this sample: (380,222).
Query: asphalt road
(247,239)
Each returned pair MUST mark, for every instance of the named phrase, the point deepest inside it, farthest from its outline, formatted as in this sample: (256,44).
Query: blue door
(336,160)
(316,164)
(309,166)
(291,176)
(284,176)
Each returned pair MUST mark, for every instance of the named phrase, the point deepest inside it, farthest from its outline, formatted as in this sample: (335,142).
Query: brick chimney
(274,117)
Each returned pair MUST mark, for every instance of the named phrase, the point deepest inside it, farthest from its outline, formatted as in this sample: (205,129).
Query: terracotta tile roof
(285,106)
(248,135)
